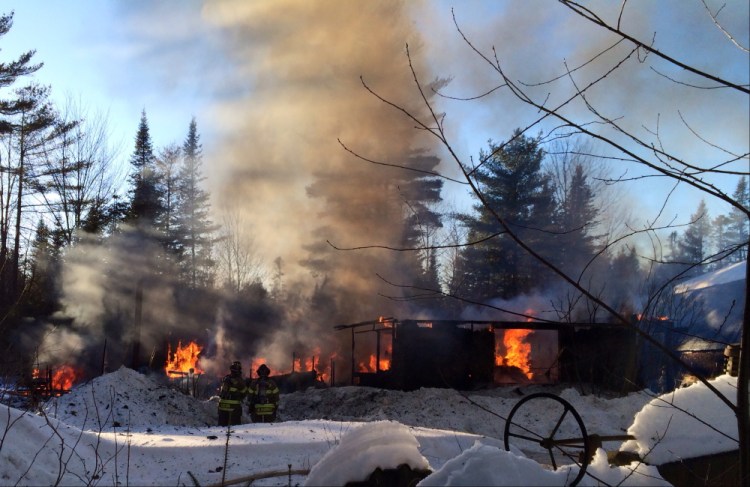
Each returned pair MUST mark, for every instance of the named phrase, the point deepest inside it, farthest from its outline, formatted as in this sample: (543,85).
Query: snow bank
(489,465)
(126,398)
(732,273)
(35,450)
(686,423)
(476,412)
(383,444)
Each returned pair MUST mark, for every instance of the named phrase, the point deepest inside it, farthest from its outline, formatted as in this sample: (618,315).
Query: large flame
(517,351)
(371,365)
(183,359)
(64,377)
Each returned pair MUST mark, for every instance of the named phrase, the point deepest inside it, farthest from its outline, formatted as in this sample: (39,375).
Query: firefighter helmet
(263,371)
(236,367)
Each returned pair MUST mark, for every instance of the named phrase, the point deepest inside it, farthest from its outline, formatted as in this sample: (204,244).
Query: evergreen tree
(10,72)
(33,132)
(721,239)
(103,216)
(624,280)
(42,296)
(168,167)
(421,222)
(576,244)
(146,207)
(738,229)
(511,179)
(194,229)
(393,208)
(694,245)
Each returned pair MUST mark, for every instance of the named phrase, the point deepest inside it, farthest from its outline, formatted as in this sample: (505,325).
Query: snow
(732,273)
(686,423)
(125,428)
(370,446)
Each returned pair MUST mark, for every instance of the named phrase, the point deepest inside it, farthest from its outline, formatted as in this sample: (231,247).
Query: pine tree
(576,244)
(739,227)
(624,279)
(34,129)
(10,72)
(694,245)
(392,208)
(194,229)
(146,207)
(41,298)
(421,222)
(168,166)
(721,225)
(511,179)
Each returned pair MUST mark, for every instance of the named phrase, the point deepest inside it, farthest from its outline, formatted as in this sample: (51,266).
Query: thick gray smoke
(300,64)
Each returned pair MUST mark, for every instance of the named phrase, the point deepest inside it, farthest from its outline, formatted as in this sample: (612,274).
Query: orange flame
(183,359)
(640,317)
(256,362)
(64,377)
(310,363)
(517,351)
(372,362)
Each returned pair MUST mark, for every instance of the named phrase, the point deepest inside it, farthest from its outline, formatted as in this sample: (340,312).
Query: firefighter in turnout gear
(264,397)
(233,391)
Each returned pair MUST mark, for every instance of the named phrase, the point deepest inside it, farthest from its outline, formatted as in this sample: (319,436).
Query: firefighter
(233,391)
(264,397)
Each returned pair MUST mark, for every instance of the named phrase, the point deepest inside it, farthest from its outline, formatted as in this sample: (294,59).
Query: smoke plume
(300,66)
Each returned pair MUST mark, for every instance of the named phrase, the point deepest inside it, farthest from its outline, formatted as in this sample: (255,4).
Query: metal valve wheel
(557,437)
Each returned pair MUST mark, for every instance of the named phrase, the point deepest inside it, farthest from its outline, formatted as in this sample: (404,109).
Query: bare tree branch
(715,19)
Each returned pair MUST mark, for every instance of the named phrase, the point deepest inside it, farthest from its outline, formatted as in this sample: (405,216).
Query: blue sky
(95,51)
(234,65)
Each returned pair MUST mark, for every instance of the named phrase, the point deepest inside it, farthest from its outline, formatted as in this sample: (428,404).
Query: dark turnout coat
(232,393)
(264,400)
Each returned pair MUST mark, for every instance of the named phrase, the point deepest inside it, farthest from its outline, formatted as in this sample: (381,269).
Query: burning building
(464,354)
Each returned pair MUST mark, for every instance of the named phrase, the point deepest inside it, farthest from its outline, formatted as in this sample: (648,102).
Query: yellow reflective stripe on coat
(263,409)
(229,404)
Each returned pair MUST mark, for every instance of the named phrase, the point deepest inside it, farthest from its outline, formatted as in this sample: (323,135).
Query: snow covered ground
(125,428)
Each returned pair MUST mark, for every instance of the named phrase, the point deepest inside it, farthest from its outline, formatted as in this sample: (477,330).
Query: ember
(183,359)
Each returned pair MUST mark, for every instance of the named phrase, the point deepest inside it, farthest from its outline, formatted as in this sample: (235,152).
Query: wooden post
(377,351)
(104,358)
(352,379)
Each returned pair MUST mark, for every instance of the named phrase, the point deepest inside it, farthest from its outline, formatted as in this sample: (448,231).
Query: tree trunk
(15,268)
(743,389)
